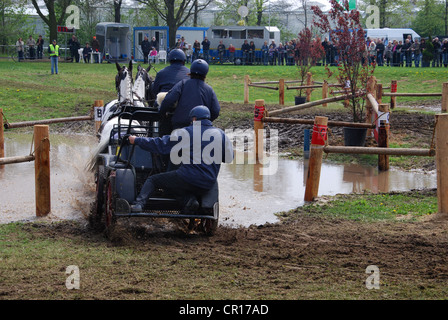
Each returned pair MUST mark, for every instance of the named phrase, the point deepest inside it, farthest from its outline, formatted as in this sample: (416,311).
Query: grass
(29,92)
(372,207)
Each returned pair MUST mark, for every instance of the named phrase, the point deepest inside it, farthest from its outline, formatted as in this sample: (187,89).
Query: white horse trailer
(115,41)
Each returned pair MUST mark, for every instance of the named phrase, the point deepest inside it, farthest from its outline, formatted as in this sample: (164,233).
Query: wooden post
(383,136)
(442,162)
(325,91)
(2,137)
(393,89)
(281,92)
(42,170)
(309,81)
(98,113)
(445,97)
(258,129)
(379,92)
(319,136)
(246,88)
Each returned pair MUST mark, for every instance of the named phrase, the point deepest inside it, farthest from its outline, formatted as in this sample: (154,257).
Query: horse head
(143,85)
(124,83)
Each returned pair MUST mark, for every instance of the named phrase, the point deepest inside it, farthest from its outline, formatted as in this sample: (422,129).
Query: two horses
(130,94)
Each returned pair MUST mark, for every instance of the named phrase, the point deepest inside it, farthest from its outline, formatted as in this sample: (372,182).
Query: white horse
(129,94)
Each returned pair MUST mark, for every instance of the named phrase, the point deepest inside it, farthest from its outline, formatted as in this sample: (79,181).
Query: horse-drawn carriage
(121,168)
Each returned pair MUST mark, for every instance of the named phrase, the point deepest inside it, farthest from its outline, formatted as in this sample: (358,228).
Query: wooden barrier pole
(246,88)
(393,89)
(258,129)
(42,170)
(445,97)
(309,82)
(383,138)
(377,150)
(2,137)
(319,136)
(311,122)
(371,86)
(442,162)
(98,113)
(281,92)
(325,92)
(308,105)
(46,121)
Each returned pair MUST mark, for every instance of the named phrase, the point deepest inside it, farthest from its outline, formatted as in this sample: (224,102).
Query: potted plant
(427,53)
(310,51)
(353,69)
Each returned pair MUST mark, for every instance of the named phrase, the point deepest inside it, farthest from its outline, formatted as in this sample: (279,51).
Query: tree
(56,14)
(393,14)
(353,70)
(175,13)
(13,21)
(430,20)
(117,10)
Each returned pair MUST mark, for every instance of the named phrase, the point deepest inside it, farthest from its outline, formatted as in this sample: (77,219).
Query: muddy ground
(305,257)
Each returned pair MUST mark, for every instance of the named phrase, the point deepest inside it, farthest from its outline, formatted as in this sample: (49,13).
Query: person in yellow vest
(53,49)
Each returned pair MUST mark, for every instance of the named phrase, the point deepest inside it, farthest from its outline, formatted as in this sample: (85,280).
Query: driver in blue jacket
(199,168)
(188,93)
(169,76)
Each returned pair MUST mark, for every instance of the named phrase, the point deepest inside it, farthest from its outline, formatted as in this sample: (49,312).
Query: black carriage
(122,169)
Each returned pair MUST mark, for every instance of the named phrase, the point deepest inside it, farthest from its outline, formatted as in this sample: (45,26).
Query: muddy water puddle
(246,196)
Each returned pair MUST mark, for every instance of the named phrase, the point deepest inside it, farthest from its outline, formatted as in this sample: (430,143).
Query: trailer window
(255,34)
(219,34)
(237,34)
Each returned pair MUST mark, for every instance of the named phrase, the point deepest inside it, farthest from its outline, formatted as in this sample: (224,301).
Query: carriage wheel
(100,180)
(109,218)
(209,226)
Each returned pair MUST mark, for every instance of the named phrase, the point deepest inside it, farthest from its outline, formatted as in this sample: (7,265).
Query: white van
(391,34)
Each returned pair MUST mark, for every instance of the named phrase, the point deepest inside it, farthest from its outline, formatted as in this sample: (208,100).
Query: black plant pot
(355,137)
(299,100)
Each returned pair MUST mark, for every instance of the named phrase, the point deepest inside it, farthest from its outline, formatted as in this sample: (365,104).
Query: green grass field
(29,92)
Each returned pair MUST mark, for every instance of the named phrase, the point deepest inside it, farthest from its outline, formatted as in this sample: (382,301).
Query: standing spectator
(445,52)
(388,53)
(196,50)
(86,53)
(416,49)
(273,53)
(53,49)
(372,52)
(206,49)
(251,52)
(154,43)
(265,53)
(406,49)
(396,49)
(153,54)
(96,49)
(290,54)
(20,45)
(74,47)
(31,43)
(146,48)
(221,51)
(40,47)
(326,50)
(245,49)
(232,50)
(380,52)
(281,54)
(437,50)
(189,53)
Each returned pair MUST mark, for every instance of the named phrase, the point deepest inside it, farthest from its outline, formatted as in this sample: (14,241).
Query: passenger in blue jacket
(199,167)
(169,76)
(187,94)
